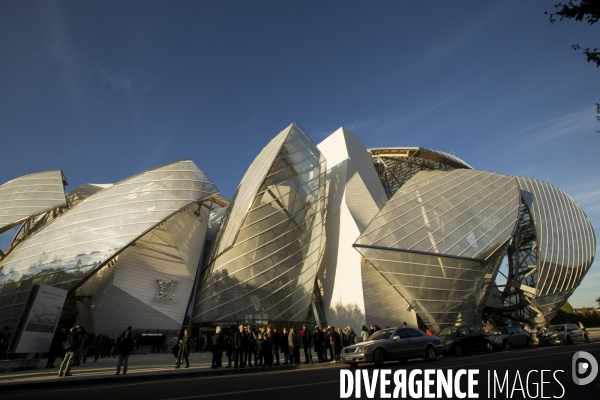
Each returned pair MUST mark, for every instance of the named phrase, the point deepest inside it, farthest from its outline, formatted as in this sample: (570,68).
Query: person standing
(240,342)
(318,343)
(294,343)
(55,347)
(364,333)
(71,347)
(337,338)
(125,347)
(328,344)
(276,342)
(184,349)
(174,343)
(251,347)
(285,347)
(306,344)
(350,336)
(216,348)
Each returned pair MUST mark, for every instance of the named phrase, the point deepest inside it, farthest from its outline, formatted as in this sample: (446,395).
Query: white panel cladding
(125,294)
(188,232)
(354,294)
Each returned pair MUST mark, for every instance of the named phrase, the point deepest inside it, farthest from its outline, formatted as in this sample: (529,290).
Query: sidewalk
(141,367)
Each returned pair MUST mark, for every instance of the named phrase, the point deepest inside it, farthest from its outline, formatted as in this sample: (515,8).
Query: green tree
(598,301)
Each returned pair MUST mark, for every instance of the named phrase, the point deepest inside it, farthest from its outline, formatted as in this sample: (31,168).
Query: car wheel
(353,365)
(530,343)
(569,340)
(507,346)
(562,341)
(488,347)
(458,351)
(379,357)
(586,338)
(430,354)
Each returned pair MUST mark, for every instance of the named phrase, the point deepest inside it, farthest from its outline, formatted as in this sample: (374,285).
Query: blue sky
(103,90)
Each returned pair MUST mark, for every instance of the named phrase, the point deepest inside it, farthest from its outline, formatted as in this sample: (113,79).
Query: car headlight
(362,349)
(448,342)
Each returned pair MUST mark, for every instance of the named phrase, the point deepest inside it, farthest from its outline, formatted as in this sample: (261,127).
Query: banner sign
(38,322)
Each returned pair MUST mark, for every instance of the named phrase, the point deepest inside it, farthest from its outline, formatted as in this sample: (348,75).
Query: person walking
(70,348)
(125,347)
(216,348)
(306,337)
(184,349)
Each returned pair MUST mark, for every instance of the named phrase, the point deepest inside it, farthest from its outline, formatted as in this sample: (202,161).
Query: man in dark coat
(318,340)
(125,347)
(306,337)
(56,346)
(240,343)
(276,340)
(216,348)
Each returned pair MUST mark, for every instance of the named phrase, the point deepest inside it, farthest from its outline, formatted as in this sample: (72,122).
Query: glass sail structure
(29,195)
(265,255)
(440,241)
(77,243)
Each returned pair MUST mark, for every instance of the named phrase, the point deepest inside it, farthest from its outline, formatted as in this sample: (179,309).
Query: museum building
(325,234)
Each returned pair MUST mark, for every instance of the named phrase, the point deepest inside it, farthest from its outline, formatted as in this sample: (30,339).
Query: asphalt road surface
(519,371)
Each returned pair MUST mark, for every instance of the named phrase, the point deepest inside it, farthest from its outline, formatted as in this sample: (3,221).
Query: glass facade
(90,234)
(440,241)
(566,245)
(265,256)
(29,195)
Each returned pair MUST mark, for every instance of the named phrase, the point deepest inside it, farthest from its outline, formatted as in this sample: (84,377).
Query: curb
(88,381)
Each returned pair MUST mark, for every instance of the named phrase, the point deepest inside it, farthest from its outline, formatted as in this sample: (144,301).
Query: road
(323,381)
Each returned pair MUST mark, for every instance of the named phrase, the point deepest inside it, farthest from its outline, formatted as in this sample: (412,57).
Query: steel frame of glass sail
(263,263)
(396,166)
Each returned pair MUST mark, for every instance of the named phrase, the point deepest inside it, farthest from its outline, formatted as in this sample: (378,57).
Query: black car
(458,340)
(509,337)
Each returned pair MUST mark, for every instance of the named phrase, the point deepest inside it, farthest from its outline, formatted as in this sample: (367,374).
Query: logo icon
(584,363)
(164,288)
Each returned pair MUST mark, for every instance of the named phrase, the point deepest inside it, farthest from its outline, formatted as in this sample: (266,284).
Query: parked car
(392,344)
(509,337)
(563,334)
(458,340)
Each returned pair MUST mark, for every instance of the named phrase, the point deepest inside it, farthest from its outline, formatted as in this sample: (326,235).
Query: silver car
(563,334)
(393,344)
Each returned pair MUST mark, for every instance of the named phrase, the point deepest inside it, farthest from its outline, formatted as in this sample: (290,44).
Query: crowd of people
(77,344)
(268,346)
(244,346)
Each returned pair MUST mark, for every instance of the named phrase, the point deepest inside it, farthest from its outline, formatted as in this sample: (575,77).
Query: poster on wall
(36,328)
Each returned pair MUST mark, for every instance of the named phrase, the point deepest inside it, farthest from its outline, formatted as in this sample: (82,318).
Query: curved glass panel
(30,195)
(462,213)
(91,233)
(566,244)
(265,258)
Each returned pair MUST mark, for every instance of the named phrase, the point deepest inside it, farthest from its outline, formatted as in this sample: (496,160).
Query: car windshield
(448,331)
(381,335)
(556,328)
(497,331)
